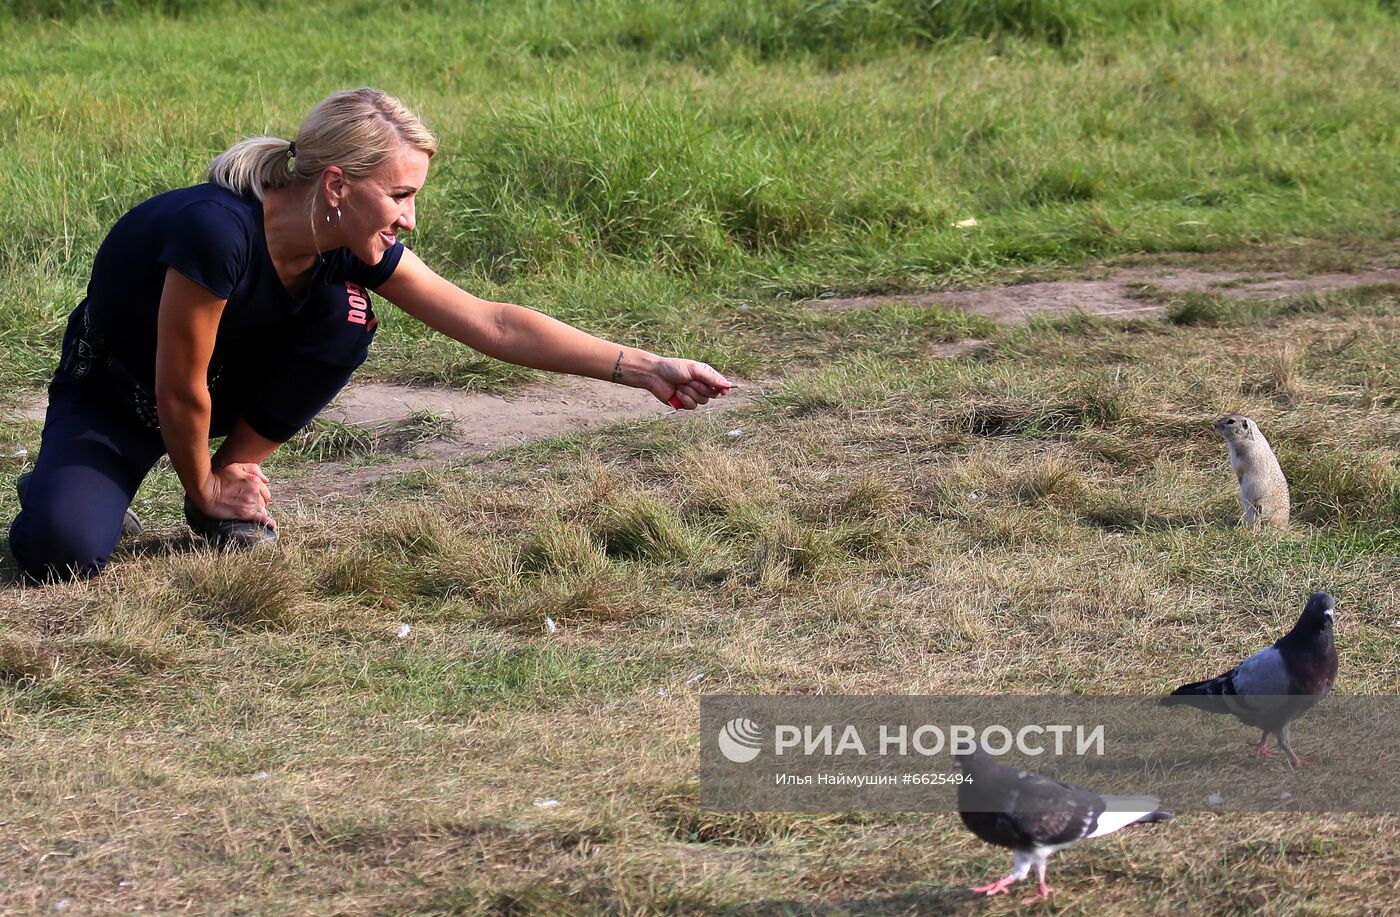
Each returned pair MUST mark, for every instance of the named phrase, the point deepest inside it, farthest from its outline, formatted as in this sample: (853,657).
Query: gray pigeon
(1274,687)
(1035,816)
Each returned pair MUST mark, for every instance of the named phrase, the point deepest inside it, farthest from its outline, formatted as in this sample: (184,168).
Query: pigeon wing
(1049,813)
(1266,672)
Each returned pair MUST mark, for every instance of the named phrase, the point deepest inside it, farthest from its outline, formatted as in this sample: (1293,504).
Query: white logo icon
(740,740)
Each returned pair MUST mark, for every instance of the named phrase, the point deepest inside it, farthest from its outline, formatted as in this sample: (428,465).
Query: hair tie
(292,148)
(292,157)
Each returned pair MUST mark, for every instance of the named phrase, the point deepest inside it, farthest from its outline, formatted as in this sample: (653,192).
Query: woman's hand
(686,384)
(237,491)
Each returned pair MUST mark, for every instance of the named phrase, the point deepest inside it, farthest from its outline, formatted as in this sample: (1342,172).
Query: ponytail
(250,166)
(356,129)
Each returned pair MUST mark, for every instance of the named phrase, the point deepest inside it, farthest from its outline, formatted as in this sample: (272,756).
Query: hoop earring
(337,217)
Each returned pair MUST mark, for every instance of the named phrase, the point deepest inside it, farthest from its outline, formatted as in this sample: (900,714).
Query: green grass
(1054,513)
(642,169)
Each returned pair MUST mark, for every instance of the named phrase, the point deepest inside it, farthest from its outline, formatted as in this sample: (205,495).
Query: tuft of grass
(24,660)
(1052,480)
(1280,374)
(606,595)
(1078,322)
(470,567)
(1086,407)
(74,672)
(1218,309)
(40,676)
(568,577)
(1065,184)
(867,540)
(413,532)
(254,589)
(418,428)
(641,529)
(1201,309)
(716,483)
(785,549)
(327,440)
(557,546)
(869,498)
(351,570)
(1333,485)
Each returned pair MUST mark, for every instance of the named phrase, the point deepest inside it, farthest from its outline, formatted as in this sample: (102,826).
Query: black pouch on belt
(88,357)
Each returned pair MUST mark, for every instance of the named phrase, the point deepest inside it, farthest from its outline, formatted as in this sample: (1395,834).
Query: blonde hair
(356,129)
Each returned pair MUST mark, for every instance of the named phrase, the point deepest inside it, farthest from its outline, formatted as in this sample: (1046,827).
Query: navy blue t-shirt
(215,238)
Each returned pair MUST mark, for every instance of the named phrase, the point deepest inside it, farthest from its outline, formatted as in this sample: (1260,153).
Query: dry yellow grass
(251,734)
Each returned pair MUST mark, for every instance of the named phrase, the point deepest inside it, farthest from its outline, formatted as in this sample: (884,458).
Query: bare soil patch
(482,423)
(1116,296)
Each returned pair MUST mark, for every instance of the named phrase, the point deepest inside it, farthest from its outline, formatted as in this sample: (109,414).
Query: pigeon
(1035,816)
(1274,687)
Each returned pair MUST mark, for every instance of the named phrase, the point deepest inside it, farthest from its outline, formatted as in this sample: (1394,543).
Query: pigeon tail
(1123,811)
(1201,694)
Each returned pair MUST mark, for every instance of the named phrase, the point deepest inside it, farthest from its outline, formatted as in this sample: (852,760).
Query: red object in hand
(675,402)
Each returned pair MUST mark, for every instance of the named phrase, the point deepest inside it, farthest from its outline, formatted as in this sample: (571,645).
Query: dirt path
(482,423)
(479,424)
(1115,295)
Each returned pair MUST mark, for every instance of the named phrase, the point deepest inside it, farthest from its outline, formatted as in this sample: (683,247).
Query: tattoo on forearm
(617,368)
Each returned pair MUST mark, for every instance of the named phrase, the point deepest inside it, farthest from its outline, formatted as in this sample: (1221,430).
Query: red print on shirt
(359,304)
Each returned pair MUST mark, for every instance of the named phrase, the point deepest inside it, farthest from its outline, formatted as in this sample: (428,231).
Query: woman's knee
(58,546)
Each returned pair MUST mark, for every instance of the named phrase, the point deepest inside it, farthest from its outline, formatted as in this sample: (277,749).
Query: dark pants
(96,449)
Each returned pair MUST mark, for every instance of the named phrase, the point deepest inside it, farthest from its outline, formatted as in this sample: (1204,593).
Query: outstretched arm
(525,337)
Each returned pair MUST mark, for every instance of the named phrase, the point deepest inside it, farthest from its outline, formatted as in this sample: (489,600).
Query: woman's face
(379,206)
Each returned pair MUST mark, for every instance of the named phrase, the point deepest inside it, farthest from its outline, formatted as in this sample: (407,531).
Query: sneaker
(131,523)
(229,534)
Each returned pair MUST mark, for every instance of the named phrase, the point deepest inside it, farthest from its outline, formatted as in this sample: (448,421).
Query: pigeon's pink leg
(1285,741)
(994,888)
(1261,748)
(1045,890)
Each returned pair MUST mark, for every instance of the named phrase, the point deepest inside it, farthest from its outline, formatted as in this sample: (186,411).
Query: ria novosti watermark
(741,740)
(825,754)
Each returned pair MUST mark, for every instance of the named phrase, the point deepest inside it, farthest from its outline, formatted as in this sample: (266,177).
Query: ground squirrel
(1263,490)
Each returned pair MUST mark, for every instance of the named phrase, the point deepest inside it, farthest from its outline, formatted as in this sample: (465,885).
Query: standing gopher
(1263,490)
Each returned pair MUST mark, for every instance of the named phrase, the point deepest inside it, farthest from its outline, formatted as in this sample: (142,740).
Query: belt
(90,352)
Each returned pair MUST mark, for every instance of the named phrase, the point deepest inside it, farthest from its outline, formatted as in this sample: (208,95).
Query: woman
(239,308)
